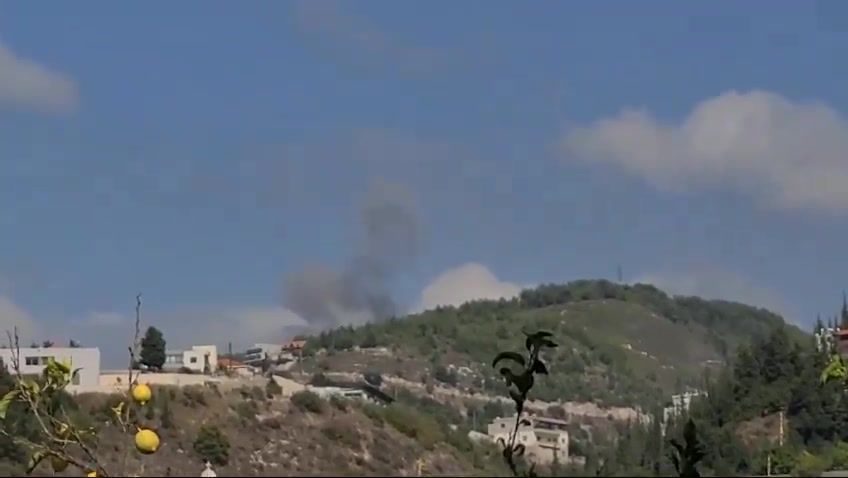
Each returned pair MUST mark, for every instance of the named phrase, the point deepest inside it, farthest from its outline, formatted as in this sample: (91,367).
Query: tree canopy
(153,349)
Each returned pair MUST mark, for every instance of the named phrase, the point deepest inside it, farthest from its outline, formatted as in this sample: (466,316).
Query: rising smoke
(388,245)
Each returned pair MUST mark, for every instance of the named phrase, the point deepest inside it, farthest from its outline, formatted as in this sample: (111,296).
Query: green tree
(153,349)
(844,314)
(212,445)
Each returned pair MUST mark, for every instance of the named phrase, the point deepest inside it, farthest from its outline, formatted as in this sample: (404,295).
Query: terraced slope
(620,345)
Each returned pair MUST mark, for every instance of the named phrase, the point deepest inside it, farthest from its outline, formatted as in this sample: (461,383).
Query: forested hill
(620,344)
(739,420)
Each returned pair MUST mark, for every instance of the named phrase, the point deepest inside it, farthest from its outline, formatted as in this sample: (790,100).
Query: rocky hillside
(620,345)
(249,433)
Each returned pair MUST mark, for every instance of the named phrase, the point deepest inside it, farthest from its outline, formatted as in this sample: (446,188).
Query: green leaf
(548,343)
(835,370)
(514,356)
(539,367)
(519,450)
(6,401)
(62,367)
(36,458)
(524,382)
(538,340)
(508,375)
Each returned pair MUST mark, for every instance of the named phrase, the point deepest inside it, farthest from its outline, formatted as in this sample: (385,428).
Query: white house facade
(198,359)
(33,360)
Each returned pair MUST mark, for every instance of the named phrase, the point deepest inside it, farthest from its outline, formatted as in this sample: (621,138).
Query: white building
(255,355)
(824,338)
(340,392)
(545,439)
(680,404)
(199,359)
(33,360)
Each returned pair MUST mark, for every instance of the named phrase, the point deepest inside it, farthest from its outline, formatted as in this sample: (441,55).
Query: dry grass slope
(278,437)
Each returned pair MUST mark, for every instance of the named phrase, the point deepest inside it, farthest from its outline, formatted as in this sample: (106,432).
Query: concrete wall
(33,360)
(118,379)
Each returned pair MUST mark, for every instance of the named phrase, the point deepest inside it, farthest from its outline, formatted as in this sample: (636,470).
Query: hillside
(768,407)
(271,435)
(620,345)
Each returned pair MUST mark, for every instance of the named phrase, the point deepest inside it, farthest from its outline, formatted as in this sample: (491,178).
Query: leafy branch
(519,382)
(835,370)
(58,438)
(686,456)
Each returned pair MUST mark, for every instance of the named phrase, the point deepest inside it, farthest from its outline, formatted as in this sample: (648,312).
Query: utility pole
(780,437)
(768,465)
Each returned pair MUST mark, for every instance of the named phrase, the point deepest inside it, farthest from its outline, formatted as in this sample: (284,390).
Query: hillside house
(34,359)
(294,347)
(679,405)
(840,341)
(545,439)
(198,359)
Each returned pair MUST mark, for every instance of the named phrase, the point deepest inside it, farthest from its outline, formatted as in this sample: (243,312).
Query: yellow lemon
(141,393)
(59,465)
(147,441)
(92,474)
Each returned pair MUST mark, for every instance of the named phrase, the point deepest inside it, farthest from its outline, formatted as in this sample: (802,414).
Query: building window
(193,360)
(31,361)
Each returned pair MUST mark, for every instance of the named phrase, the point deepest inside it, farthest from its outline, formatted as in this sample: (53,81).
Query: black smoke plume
(360,292)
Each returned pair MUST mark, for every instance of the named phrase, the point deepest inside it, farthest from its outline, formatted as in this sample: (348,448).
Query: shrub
(338,403)
(374,412)
(308,401)
(809,465)
(257,393)
(247,410)
(343,433)
(415,425)
(194,396)
(272,388)
(212,445)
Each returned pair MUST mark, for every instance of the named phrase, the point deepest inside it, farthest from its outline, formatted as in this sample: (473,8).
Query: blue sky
(206,153)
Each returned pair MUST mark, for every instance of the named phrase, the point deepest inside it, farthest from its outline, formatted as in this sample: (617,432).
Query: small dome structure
(208,471)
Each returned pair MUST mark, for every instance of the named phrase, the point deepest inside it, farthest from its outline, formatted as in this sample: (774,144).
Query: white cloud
(12,316)
(467,282)
(240,325)
(710,282)
(791,154)
(27,84)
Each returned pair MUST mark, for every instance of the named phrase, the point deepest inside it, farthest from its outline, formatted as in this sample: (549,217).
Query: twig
(33,404)
(133,352)
(33,396)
